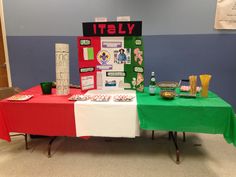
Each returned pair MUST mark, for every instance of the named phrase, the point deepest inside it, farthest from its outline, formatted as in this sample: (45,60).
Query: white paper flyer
(225,14)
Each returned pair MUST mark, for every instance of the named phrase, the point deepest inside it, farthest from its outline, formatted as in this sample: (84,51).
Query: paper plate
(19,97)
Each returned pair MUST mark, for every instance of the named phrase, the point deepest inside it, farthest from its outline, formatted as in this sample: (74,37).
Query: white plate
(19,97)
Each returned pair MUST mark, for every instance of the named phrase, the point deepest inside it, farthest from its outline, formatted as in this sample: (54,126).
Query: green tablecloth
(203,115)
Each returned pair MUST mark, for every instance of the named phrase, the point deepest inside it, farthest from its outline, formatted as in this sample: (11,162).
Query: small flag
(88,53)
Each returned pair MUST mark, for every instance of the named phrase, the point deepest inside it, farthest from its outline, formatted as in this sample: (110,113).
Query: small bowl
(167,94)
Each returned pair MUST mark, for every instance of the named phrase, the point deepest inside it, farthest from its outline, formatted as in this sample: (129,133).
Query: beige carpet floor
(201,156)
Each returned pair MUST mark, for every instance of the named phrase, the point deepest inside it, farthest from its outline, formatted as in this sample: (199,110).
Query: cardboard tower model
(111,56)
(62,69)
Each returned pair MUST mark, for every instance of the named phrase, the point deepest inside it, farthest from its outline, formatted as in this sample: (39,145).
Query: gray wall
(179,38)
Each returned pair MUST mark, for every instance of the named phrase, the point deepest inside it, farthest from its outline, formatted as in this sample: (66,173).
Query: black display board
(129,28)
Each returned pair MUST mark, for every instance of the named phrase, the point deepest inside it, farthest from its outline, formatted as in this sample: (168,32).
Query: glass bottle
(152,85)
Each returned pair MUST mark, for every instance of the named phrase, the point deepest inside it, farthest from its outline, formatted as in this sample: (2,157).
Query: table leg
(26,141)
(50,145)
(153,134)
(184,138)
(174,138)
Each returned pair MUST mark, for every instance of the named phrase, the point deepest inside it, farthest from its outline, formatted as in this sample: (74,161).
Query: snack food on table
(123,98)
(186,88)
(79,97)
(167,94)
(193,84)
(100,98)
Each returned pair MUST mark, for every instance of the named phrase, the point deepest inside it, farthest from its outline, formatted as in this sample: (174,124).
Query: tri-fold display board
(111,62)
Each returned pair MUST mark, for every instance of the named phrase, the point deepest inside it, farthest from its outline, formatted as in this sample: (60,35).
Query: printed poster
(225,14)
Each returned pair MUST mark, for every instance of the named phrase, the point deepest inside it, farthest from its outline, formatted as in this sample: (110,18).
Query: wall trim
(5,44)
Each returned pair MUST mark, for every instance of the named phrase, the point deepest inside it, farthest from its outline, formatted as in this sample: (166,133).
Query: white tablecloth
(107,119)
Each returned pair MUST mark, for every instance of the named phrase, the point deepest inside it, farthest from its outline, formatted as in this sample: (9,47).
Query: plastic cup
(46,87)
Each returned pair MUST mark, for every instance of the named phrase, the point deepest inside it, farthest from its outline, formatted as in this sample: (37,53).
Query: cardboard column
(62,69)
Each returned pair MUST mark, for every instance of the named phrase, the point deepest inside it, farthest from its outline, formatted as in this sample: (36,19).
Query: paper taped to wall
(225,14)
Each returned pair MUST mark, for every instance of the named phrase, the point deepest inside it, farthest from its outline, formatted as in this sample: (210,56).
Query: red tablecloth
(49,115)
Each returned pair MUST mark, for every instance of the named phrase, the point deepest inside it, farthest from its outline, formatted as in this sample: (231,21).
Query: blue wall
(172,57)
(32,59)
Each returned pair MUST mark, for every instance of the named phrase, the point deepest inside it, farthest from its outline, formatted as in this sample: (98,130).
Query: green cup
(46,87)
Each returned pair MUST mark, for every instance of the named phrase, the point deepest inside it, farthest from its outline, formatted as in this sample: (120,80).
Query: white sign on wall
(225,14)
(122,18)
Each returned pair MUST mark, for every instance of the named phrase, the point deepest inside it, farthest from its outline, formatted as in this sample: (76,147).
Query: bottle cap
(153,73)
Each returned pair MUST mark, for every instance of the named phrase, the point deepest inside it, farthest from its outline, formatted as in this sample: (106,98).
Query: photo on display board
(111,83)
(122,56)
(87,82)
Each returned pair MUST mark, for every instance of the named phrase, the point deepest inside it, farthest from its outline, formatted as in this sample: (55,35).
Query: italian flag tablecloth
(107,119)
